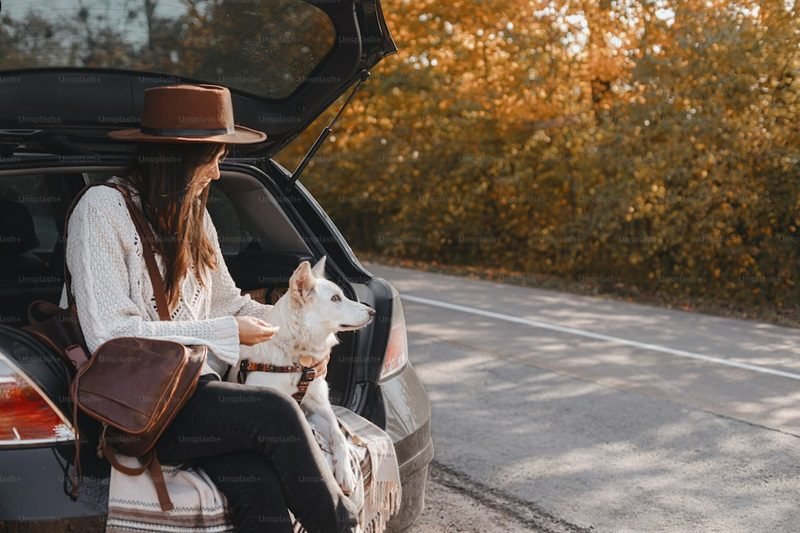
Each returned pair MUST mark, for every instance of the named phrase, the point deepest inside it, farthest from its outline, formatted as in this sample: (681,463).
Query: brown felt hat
(188,113)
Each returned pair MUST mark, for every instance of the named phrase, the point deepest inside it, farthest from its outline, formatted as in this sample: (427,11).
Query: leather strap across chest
(149,244)
(307,373)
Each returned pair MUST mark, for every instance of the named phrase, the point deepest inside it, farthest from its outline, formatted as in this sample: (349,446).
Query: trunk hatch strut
(323,135)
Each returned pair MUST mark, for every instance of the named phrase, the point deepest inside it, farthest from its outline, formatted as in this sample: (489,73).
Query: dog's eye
(336,298)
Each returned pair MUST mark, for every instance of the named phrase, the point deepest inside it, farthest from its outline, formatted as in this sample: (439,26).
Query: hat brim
(241,135)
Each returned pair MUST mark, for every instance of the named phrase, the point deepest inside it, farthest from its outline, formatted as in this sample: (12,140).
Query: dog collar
(307,373)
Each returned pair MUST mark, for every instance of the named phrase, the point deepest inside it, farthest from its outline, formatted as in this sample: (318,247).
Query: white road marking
(599,336)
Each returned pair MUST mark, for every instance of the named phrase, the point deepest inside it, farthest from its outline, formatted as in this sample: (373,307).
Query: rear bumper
(33,495)
(33,490)
(414,477)
(407,412)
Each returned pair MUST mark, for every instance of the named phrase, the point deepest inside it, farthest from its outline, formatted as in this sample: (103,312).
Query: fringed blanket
(201,508)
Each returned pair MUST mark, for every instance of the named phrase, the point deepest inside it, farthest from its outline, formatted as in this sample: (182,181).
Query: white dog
(310,314)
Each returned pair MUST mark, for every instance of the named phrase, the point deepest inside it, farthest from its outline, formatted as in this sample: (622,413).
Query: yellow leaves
(570,178)
(748,261)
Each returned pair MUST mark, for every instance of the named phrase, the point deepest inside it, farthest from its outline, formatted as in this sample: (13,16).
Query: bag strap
(76,470)
(147,238)
(154,467)
(145,235)
(149,462)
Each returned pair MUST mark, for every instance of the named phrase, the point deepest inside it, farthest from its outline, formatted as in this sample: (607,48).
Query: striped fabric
(201,508)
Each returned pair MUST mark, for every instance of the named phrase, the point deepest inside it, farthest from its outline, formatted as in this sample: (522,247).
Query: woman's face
(205,174)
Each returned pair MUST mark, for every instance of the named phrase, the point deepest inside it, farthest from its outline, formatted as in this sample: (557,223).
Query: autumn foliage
(653,144)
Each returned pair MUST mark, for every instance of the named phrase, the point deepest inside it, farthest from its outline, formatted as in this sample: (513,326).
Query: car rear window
(31,206)
(263,47)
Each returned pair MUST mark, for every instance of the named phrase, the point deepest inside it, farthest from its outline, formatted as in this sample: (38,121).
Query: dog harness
(308,372)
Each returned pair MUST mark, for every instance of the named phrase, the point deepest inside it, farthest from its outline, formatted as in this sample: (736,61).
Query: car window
(28,229)
(263,47)
(233,236)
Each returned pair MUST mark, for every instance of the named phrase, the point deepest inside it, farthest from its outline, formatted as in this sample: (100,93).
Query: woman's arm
(226,297)
(101,283)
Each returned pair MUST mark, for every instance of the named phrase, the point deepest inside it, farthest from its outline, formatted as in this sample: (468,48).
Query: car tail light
(27,415)
(397,346)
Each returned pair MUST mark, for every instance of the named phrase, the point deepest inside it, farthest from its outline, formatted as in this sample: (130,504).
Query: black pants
(258,448)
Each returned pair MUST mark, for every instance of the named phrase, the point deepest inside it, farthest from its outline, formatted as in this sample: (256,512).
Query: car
(72,71)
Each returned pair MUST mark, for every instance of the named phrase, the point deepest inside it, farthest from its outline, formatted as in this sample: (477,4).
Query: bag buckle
(77,355)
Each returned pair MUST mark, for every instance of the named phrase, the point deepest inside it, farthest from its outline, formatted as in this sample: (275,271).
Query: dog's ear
(302,282)
(319,268)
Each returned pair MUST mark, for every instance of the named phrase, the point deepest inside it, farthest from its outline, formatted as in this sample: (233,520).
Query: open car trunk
(260,240)
(71,71)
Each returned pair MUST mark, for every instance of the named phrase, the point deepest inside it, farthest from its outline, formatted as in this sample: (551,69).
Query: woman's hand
(253,330)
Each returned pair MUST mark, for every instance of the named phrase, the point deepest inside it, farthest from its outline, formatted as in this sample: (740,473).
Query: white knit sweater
(114,296)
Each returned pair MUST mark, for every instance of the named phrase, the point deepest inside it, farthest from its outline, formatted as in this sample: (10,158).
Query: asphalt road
(573,413)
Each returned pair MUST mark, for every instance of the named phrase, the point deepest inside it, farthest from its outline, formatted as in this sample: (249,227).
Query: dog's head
(323,306)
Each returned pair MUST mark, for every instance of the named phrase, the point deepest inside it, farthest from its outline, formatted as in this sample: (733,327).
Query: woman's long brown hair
(162,174)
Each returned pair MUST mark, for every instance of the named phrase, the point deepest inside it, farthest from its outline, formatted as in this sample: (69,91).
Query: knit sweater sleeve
(98,235)
(226,297)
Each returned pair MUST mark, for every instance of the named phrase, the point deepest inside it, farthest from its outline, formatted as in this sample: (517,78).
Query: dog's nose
(371,311)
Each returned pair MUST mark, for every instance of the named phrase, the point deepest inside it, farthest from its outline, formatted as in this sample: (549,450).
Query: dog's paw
(344,475)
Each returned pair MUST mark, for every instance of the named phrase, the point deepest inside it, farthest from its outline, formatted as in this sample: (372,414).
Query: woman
(253,442)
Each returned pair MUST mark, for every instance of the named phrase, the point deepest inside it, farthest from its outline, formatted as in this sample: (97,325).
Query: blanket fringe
(385,499)
(388,495)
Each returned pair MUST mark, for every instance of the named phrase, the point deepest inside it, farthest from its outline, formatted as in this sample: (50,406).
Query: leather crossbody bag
(133,385)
